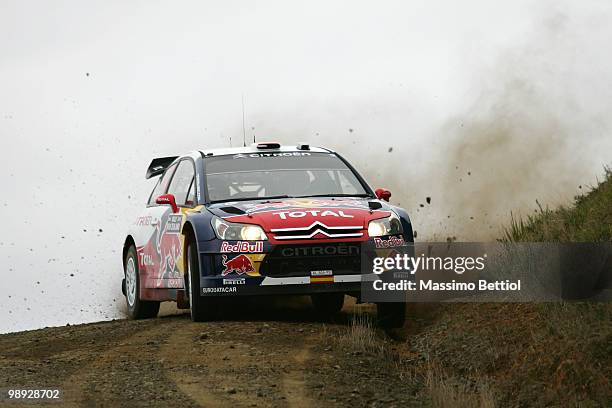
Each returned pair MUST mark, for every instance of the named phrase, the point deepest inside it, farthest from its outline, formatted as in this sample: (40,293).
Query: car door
(147,233)
(171,243)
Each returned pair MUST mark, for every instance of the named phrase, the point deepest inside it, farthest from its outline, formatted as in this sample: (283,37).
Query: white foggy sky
(167,77)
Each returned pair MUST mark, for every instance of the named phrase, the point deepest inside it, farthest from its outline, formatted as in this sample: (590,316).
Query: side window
(181,182)
(162,185)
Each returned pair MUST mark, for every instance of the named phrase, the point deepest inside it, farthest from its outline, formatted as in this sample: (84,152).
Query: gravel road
(261,354)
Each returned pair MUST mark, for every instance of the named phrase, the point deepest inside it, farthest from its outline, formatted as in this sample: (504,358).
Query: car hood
(306,218)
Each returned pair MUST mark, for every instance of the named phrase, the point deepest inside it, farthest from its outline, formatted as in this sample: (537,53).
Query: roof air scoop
(268,145)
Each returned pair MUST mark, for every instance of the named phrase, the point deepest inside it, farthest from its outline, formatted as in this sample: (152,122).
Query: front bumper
(293,289)
(236,269)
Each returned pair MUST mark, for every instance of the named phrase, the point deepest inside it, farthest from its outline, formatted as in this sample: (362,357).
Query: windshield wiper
(227,200)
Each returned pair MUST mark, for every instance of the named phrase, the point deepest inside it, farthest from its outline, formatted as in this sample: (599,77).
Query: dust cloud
(536,133)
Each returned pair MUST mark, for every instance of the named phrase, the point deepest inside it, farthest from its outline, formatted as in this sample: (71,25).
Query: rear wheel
(327,304)
(201,309)
(391,315)
(137,309)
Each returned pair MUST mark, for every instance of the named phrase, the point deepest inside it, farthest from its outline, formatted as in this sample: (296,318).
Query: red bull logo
(391,242)
(242,246)
(240,265)
(393,253)
(170,251)
(169,248)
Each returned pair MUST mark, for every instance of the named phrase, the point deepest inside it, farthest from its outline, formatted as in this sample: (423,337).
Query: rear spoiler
(159,165)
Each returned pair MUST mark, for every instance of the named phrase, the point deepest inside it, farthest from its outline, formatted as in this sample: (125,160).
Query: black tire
(327,304)
(202,308)
(137,309)
(391,315)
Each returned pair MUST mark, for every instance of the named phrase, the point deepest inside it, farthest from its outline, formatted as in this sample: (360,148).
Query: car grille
(318,228)
(300,260)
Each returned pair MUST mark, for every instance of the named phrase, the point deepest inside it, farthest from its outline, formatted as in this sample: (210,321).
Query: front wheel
(137,309)
(201,309)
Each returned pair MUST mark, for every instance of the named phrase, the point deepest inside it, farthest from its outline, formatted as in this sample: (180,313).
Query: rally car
(260,220)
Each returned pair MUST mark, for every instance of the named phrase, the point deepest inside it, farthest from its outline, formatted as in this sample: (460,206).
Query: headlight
(233,231)
(385,226)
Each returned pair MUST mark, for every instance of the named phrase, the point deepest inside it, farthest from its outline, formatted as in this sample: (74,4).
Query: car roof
(159,165)
(253,149)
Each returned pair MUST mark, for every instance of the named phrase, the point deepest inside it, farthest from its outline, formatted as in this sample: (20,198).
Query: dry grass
(445,392)
(589,219)
(553,354)
(510,354)
(572,348)
(361,338)
(360,335)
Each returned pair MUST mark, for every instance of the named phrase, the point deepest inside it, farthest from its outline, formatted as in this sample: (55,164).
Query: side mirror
(168,199)
(383,194)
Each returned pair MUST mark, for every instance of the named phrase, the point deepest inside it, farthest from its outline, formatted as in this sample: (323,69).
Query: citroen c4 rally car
(259,220)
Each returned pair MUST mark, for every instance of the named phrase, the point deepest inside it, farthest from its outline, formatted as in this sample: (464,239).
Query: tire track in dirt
(61,357)
(223,364)
(294,383)
(180,353)
(77,387)
(276,357)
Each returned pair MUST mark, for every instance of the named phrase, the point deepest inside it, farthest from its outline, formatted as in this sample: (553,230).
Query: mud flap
(182,299)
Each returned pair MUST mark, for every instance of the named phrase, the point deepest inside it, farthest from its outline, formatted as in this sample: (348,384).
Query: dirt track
(259,355)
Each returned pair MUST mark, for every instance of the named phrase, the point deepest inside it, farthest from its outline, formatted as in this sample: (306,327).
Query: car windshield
(286,174)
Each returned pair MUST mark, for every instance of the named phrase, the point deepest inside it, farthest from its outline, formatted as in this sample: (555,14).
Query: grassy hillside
(551,354)
(519,354)
(589,219)
(510,355)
